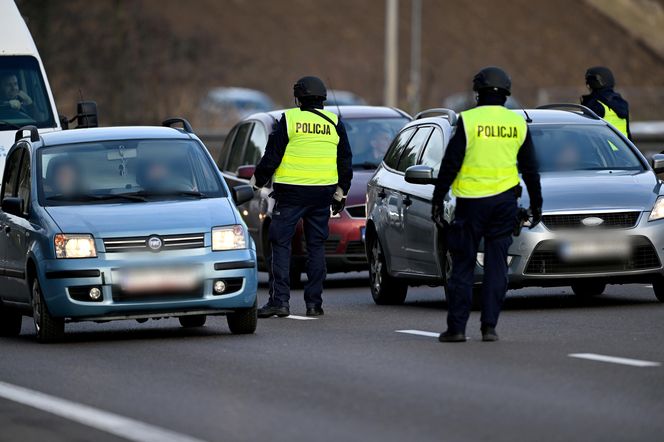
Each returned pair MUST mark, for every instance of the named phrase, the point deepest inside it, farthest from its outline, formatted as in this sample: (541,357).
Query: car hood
(358,187)
(138,219)
(597,190)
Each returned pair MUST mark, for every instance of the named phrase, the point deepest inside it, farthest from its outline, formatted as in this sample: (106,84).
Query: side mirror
(246,172)
(242,194)
(658,163)
(86,114)
(420,175)
(13,206)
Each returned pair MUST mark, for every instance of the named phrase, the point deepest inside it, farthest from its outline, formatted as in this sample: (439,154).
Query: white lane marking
(615,360)
(300,318)
(117,425)
(419,333)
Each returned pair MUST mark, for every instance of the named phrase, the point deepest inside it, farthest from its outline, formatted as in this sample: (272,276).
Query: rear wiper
(9,125)
(148,193)
(83,197)
(366,165)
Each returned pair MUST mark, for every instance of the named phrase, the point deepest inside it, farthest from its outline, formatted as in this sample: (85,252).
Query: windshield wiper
(367,165)
(9,125)
(84,197)
(165,193)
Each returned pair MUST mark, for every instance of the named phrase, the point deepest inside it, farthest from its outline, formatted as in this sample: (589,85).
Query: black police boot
(267,311)
(489,334)
(450,336)
(315,311)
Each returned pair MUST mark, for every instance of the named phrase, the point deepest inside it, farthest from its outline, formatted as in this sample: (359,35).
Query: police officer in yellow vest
(309,160)
(489,149)
(604,101)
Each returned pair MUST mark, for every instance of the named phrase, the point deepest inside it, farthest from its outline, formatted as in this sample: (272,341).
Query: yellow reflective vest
(612,118)
(494,135)
(310,158)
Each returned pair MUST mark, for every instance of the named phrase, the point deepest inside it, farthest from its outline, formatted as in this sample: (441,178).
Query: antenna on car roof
(334,97)
(528,119)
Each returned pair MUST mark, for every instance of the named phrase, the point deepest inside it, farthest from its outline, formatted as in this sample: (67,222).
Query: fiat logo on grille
(154,243)
(592,221)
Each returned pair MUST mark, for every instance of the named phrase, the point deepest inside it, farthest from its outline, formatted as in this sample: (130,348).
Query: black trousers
(285,218)
(492,219)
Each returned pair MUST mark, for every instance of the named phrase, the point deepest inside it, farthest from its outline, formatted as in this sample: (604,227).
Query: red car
(370,130)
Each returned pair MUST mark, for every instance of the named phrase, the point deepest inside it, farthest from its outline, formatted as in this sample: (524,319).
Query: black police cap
(493,78)
(599,77)
(310,87)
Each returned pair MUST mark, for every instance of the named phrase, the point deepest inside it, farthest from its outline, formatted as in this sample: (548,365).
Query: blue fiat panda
(121,223)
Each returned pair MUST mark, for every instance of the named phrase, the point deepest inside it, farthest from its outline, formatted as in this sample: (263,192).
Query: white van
(25,95)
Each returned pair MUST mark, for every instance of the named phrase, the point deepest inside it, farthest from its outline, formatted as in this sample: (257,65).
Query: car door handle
(407,201)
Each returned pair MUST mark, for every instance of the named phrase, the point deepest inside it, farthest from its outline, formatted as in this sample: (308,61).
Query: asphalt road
(350,376)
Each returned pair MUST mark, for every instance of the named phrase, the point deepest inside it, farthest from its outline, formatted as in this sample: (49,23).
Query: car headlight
(74,246)
(229,238)
(657,211)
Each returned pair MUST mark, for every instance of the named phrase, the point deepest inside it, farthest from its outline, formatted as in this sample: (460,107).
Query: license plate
(595,249)
(160,279)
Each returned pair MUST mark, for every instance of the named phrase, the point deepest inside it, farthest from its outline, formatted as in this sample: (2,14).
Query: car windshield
(572,147)
(23,97)
(126,170)
(370,137)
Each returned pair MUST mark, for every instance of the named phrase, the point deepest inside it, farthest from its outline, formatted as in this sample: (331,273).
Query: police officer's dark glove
(437,215)
(536,216)
(338,201)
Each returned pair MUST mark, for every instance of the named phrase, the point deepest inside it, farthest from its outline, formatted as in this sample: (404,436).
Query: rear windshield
(562,147)
(370,137)
(23,97)
(126,170)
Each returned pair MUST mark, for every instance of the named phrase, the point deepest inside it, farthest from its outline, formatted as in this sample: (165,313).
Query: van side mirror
(658,163)
(86,114)
(246,172)
(242,193)
(420,175)
(13,206)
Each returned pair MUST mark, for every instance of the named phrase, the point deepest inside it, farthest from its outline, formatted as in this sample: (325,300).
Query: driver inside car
(12,97)
(62,176)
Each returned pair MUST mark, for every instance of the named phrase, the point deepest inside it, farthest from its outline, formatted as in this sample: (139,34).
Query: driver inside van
(11,95)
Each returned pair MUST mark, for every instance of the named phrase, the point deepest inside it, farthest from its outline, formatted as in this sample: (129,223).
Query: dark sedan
(370,130)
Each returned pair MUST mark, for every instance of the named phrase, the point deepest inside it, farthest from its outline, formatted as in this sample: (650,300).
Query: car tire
(192,321)
(588,289)
(10,321)
(658,288)
(48,328)
(385,289)
(244,321)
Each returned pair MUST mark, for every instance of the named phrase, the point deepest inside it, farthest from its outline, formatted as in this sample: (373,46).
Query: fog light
(219,286)
(480,259)
(95,293)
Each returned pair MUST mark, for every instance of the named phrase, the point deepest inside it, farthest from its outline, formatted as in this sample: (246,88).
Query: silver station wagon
(603,214)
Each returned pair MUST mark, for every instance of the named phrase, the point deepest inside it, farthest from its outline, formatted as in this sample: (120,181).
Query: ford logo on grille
(592,221)
(154,243)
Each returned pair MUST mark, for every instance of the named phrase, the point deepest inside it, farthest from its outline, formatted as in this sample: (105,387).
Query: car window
(433,153)
(256,145)
(397,147)
(225,149)
(412,150)
(370,138)
(23,96)
(24,181)
(93,172)
(571,147)
(10,178)
(237,148)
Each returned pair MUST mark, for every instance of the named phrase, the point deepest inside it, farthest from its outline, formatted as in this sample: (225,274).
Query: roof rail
(572,107)
(450,114)
(34,133)
(185,124)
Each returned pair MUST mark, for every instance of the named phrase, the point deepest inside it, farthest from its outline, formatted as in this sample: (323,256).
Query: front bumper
(523,272)
(61,278)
